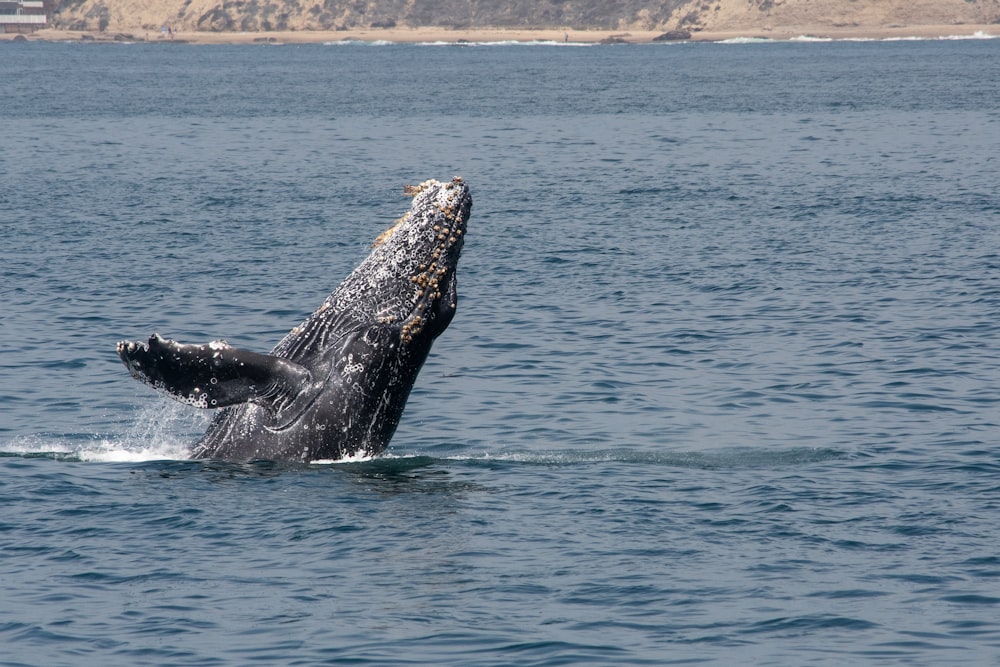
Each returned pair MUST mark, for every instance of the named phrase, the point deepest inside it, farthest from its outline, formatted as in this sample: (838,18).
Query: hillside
(694,15)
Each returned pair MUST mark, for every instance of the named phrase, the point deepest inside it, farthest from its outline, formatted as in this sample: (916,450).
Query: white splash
(113,451)
(357,457)
(162,431)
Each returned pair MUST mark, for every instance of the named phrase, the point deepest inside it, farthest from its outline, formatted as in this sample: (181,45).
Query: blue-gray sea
(723,386)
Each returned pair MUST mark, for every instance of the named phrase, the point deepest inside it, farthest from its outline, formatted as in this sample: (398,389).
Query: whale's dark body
(337,384)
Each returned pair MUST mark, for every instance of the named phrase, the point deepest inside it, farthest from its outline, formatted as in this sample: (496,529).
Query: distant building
(23,15)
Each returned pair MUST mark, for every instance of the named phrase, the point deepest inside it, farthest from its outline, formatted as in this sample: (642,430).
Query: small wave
(359,42)
(979,34)
(531,42)
(506,42)
(746,40)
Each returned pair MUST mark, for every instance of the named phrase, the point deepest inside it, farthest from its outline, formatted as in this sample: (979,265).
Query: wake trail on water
(156,437)
(732,457)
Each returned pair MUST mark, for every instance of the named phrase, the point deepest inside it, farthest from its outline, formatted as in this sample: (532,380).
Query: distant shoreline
(433,35)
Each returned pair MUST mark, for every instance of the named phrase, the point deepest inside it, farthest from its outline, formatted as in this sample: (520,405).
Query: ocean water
(722,387)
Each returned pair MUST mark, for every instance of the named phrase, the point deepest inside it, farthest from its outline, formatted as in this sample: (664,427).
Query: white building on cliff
(22,15)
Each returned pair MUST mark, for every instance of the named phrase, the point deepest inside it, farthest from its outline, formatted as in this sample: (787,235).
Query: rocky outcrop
(678,35)
(251,15)
(736,15)
(665,15)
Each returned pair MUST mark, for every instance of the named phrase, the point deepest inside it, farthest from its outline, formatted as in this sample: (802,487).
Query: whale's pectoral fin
(216,374)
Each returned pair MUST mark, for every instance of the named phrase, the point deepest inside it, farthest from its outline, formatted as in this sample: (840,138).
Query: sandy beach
(487,35)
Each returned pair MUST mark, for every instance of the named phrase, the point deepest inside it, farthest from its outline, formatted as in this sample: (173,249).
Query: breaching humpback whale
(336,384)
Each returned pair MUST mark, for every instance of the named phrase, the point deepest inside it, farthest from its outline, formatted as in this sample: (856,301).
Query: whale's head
(410,278)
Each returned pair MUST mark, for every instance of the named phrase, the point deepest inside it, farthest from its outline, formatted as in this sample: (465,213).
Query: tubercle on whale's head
(418,258)
(452,200)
